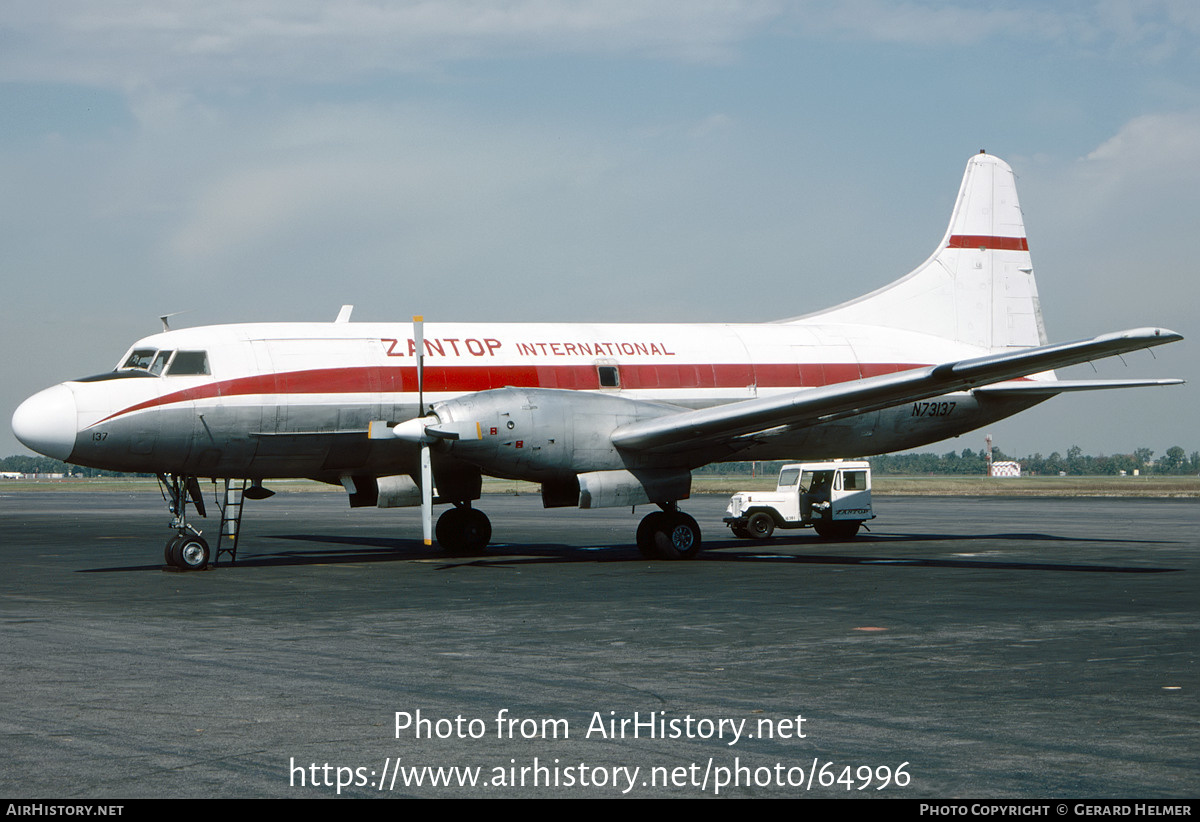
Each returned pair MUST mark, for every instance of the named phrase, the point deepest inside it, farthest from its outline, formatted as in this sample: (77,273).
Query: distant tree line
(966,462)
(46,465)
(1175,461)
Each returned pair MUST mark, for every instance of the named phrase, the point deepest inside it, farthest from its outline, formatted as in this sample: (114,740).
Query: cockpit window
(160,362)
(189,363)
(140,358)
(171,363)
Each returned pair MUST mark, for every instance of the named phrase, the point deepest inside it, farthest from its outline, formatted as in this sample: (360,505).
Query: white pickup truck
(834,498)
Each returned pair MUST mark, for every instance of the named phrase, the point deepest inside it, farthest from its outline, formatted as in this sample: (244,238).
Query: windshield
(171,363)
(160,362)
(140,358)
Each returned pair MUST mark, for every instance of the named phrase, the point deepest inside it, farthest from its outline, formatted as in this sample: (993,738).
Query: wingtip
(1151,335)
(1159,335)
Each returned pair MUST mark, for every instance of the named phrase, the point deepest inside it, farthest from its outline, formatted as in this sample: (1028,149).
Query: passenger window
(609,376)
(856,480)
(189,363)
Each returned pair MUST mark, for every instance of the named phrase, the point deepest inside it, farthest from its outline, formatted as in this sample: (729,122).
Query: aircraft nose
(47,422)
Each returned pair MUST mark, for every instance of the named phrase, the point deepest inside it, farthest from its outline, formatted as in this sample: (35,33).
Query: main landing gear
(668,534)
(665,534)
(463,529)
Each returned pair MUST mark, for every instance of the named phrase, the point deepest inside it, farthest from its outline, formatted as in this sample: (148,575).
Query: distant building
(1006,469)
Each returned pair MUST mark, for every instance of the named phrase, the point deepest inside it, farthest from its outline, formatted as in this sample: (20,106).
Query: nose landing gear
(187,550)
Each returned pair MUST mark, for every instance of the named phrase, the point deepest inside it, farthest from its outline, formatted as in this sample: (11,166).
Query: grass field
(883,486)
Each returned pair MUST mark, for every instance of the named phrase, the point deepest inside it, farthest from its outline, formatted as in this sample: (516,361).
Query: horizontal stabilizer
(1052,387)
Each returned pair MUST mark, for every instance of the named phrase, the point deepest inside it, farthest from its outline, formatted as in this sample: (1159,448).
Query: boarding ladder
(231,518)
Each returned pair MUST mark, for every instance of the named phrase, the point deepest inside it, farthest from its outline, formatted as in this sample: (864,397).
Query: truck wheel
(840,530)
(760,526)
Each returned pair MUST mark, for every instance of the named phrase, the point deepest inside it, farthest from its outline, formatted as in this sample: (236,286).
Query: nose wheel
(186,550)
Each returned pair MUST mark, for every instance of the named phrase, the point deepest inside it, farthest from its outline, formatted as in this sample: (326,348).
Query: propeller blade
(426,495)
(419,339)
(426,461)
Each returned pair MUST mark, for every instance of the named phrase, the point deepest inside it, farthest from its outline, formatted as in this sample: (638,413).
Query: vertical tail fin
(978,287)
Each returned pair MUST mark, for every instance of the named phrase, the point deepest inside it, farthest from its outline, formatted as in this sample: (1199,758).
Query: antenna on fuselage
(164,317)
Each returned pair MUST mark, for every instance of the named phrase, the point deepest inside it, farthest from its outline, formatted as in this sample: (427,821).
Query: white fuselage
(295,399)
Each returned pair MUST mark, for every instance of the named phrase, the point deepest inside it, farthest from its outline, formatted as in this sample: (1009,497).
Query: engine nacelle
(613,489)
(384,492)
(541,434)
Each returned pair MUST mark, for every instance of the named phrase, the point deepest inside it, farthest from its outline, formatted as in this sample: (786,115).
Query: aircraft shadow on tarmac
(379,549)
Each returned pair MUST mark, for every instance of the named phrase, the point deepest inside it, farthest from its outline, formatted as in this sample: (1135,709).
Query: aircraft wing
(725,423)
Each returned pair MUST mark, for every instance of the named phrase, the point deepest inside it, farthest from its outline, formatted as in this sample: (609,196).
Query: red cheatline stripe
(466,379)
(988,241)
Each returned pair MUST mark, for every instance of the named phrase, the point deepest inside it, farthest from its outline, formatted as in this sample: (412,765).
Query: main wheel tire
(448,529)
(189,553)
(478,531)
(678,537)
(646,529)
(842,529)
(463,531)
(760,525)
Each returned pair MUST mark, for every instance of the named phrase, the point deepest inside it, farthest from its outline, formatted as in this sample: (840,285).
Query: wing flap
(726,422)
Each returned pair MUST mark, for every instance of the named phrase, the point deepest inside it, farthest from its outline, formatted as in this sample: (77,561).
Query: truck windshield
(788,476)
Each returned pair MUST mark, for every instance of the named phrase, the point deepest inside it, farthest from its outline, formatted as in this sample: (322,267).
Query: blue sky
(639,161)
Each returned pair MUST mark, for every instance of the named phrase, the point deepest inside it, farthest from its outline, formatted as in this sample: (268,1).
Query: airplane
(600,415)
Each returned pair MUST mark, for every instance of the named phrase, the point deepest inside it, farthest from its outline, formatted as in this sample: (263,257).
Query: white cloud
(1111,227)
(1147,168)
(1153,144)
(226,45)
(217,44)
